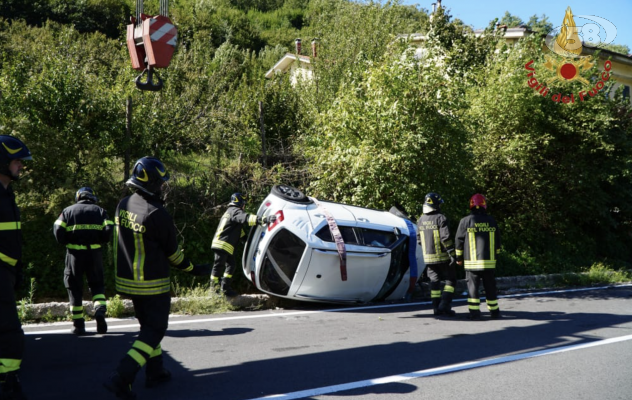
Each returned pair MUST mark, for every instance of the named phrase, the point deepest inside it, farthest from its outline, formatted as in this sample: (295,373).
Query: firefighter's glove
(268,220)
(201,270)
(452,256)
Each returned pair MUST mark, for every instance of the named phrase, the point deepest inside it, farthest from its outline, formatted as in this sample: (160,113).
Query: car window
(347,232)
(375,238)
(281,260)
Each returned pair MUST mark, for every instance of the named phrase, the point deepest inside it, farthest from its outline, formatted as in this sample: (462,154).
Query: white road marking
(438,371)
(174,321)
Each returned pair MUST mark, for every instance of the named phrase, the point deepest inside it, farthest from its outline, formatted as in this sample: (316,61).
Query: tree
(510,20)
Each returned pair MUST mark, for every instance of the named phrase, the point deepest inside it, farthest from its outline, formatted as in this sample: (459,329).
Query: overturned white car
(329,252)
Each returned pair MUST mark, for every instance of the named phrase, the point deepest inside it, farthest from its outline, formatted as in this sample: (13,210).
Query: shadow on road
(60,366)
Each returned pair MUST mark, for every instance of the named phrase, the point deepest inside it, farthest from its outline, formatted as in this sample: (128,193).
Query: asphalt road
(548,345)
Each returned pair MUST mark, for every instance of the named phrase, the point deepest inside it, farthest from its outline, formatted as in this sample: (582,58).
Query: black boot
(11,387)
(495,314)
(445,306)
(226,289)
(475,315)
(435,306)
(121,388)
(156,378)
(99,316)
(79,327)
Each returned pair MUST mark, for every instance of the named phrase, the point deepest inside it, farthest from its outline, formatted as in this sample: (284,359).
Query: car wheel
(290,193)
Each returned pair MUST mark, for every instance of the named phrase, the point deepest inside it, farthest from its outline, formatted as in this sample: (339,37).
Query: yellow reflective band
(437,241)
(189,268)
(161,173)
(252,220)
(157,286)
(108,222)
(448,289)
(435,258)
(435,293)
(492,245)
(484,264)
(177,257)
(459,252)
(11,151)
(72,228)
(221,245)
(157,351)
(60,223)
(472,239)
(98,297)
(139,257)
(491,307)
(448,243)
(142,346)
(10,226)
(9,365)
(470,300)
(137,357)
(145,178)
(471,307)
(76,308)
(5,258)
(82,247)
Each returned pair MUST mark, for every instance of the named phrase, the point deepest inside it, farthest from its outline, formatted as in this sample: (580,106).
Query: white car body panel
(317,275)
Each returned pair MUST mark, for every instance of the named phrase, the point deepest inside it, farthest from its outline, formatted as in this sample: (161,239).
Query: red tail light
(279,215)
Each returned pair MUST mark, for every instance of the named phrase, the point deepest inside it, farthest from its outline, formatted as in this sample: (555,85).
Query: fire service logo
(565,43)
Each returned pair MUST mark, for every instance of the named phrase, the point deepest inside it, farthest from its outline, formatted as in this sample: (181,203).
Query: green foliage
(198,299)
(556,174)
(598,274)
(116,307)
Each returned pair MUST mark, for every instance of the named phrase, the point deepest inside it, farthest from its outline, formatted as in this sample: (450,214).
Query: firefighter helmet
(148,175)
(238,199)
(432,202)
(477,201)
(12,148)
(86,193)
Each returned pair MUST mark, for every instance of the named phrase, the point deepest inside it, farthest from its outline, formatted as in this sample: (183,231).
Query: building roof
(285,62)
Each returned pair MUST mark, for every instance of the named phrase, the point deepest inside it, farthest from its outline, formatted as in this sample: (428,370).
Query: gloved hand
(452,260)
(201,270)
(268,220)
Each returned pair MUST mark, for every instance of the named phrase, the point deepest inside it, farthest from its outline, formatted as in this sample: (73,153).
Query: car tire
(290,193)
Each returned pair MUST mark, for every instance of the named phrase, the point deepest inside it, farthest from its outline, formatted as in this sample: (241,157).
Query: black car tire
(290,193)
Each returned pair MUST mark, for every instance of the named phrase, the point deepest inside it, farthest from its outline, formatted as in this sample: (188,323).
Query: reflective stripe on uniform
(473,304)
(82,247)
(459,252)
(84,227)
(10,226)
(5,258)
(478,264)
(492,305)
(252,220)
(60,223)
(139,257)
(177,257)
(221,245)
(448,289)
(472,239)
(157,286)
(492,245)
(435,294)
(9,365)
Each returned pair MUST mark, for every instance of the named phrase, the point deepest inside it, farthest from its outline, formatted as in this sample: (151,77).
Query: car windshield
(359,236)
(281,261)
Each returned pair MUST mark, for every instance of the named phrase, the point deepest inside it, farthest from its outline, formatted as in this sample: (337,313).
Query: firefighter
(227,235)
(477,246)
(439,254)
(12,152)
(83,228)
(146,245)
